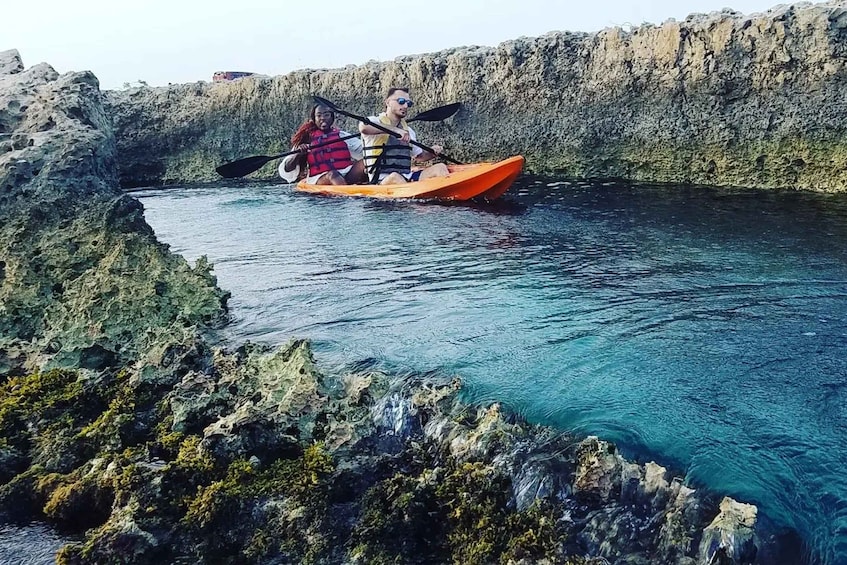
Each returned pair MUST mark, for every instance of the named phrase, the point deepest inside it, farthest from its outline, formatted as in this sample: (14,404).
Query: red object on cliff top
(230,75)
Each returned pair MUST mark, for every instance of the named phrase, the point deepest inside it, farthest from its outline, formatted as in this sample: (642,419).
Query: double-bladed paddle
(379,126)
(248,165)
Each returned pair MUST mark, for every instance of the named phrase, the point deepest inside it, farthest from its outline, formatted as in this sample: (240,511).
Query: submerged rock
(731,537)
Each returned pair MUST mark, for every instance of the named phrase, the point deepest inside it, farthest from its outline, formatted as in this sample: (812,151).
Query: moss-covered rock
(77,501)
(291,495)
(21,498)
(83,281)
(458,515)
(41,414)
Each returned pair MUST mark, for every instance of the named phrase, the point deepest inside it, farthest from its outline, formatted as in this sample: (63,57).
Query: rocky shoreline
(722,99)
(122,423)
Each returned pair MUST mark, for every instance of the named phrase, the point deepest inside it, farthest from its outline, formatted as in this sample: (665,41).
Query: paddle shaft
(412,141)
(316,145)
(249,165)
(386,130)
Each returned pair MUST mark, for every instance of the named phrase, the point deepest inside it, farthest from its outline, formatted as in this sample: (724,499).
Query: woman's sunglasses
(406,101)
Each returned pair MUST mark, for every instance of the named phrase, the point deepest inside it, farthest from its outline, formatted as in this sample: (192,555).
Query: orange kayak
(478,180)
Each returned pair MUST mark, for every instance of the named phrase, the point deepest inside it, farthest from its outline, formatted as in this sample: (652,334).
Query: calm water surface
(703,328)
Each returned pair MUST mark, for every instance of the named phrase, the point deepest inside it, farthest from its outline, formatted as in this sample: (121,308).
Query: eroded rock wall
(720,99)
(83,281)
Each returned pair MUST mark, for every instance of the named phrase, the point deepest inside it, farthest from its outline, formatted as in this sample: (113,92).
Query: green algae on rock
(84,281)
(420,478)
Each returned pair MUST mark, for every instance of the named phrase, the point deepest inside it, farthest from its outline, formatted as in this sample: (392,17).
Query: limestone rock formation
(83,281)
(731,535)
(121,423)
(719,99)
(10,62)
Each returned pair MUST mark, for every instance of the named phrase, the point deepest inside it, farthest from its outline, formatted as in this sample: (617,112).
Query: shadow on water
(702,328)
(499,207)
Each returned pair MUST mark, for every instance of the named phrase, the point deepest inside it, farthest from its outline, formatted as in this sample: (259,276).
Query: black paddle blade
(437,114)
(243,166)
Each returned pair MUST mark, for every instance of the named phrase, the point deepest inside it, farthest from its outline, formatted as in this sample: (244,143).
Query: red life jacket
(332,157)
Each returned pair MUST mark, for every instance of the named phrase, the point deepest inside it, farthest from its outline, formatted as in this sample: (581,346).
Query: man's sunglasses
(405,101)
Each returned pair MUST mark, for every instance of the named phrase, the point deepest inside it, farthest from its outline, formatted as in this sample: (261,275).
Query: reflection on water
(704,328)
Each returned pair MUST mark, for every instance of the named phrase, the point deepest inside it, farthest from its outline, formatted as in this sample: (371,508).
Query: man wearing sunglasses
(388,159)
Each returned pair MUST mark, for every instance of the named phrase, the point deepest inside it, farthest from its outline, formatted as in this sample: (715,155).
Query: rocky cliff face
(719,99)
(81,273)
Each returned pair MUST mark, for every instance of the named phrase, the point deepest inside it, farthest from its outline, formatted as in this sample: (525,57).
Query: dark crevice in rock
(96,358)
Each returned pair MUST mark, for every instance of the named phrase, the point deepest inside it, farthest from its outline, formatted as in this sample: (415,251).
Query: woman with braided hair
(337,162)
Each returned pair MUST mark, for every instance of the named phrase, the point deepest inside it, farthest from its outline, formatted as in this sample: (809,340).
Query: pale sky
(161,41)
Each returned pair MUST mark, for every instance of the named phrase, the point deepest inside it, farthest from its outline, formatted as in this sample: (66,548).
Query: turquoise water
(705,329)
